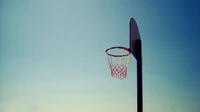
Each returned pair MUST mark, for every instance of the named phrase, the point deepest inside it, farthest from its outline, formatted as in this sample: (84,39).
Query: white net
(118,61)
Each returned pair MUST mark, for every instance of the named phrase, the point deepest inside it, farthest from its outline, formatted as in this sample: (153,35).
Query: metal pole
(139,76)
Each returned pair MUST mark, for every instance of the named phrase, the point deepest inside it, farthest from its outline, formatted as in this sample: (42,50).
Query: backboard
(133,36)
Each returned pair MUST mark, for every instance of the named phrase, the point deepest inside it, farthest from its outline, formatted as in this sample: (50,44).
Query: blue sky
(52,55)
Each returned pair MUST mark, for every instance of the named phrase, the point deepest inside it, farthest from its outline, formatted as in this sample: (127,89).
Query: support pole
(139,76)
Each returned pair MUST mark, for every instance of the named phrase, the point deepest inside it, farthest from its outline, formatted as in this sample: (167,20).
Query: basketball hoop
(118,60)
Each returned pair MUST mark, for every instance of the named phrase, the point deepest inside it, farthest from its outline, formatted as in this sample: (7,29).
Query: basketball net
(118,60)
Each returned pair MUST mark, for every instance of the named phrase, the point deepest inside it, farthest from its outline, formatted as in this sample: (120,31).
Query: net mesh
(118,65)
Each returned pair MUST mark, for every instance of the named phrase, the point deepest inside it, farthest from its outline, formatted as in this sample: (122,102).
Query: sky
(52,55)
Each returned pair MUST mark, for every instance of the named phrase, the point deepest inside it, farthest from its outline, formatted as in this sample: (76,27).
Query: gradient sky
(52,55)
